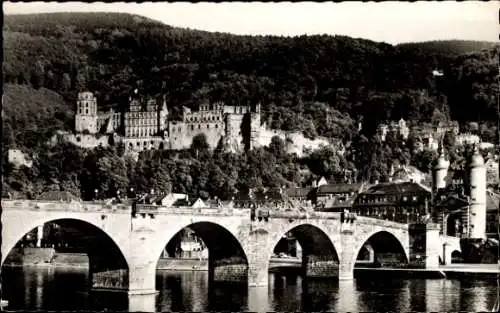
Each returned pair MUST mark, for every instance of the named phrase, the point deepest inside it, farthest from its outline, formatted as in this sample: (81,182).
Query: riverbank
(444,271)
(48,257)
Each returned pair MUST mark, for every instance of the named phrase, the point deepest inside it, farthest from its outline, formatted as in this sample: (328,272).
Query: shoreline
(79,261)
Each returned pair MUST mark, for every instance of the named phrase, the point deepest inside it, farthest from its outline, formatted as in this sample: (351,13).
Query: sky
(391,22)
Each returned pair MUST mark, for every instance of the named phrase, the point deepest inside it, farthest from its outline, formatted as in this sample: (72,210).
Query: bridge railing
(74,206)
(381,222)
(303,215)
(157,209)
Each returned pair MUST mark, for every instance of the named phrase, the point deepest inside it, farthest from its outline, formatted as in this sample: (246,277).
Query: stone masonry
(330,247)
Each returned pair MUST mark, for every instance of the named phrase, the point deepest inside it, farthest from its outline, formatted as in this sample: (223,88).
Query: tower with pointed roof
(440,170)
(477,193)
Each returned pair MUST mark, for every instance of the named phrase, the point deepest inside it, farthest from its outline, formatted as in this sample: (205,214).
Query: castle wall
(235,109)
(234,137)
(295,141)
(254,129)
(145,143)
(203,117)
(86,123)
(87,141)
(181,134)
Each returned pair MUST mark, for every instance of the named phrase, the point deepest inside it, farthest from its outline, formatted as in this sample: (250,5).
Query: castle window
(138,144)
(208,126)
(216,125)
(192,127)
(86,111)
(199,126)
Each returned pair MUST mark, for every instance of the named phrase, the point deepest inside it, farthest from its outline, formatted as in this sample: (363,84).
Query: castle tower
(477,187)
(440,171)
(255,127)
(86,113)
(163,115)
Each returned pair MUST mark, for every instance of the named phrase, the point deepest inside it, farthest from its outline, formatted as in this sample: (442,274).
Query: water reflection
(258,299)
(67,290)
(142,303)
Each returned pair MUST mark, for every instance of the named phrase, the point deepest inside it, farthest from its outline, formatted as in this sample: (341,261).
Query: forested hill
(112,54)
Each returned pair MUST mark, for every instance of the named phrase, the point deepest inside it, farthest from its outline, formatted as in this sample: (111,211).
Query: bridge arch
(383,242)
(319,254)
(227,256)
(13,230)
(108,262)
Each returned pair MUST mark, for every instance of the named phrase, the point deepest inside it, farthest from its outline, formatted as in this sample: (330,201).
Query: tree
(277,147)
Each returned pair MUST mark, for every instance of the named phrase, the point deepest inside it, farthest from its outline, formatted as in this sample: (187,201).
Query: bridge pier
(319,266)
(258,256)
(425,245)
(142,279)
(347,260)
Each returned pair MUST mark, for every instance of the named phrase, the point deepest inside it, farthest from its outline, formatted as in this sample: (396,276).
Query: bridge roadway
(239,247)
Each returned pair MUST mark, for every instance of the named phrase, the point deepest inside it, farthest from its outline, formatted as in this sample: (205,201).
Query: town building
(400,129)
(398,201)
(336,197)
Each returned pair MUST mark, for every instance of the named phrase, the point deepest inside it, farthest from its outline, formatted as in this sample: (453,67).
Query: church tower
(86,113)
(477,191)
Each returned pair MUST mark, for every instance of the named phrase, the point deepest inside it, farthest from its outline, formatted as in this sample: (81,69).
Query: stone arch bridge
(125,247)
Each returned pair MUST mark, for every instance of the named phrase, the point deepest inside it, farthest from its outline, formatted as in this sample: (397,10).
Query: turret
(477,191)
(163,115)
(440,170)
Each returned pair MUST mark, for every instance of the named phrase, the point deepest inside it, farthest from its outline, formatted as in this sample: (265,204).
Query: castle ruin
(146,125)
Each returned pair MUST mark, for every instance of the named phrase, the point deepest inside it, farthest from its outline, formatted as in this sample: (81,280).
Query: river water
(67,289)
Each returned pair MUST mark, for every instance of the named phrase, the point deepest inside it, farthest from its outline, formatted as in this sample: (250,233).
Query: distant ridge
(450,46)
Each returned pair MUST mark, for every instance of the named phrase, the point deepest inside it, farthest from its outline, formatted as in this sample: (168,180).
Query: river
(67,289)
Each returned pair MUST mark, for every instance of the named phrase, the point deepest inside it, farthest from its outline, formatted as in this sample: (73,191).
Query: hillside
(112,54)
(30,115)
(317,85)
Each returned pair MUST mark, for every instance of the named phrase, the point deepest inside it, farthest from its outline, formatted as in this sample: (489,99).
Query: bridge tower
(440,171)
(477,192)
